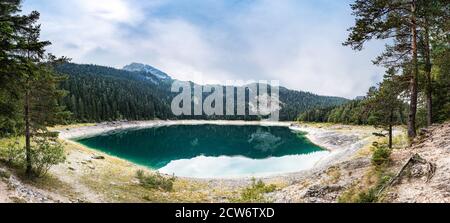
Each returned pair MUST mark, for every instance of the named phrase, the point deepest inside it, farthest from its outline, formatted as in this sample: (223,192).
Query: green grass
(376,179)
(155,181)
(255,192)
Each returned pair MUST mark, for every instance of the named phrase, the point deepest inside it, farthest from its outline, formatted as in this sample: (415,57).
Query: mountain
(99,93)
(146,69)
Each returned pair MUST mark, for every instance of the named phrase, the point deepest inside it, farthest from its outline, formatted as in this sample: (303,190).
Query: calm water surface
(209,151)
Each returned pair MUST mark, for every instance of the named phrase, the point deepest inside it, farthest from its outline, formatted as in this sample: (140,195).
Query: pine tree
(10,23)
(385,104)
(433,17)
(36,83)
(391,19)
(410,25)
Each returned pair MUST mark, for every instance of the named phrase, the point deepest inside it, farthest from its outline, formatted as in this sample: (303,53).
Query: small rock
(71,168)
(98,157)
(320,191)
(418,171)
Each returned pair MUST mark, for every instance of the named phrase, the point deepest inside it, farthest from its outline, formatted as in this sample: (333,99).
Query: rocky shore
(92,176)
(341,141)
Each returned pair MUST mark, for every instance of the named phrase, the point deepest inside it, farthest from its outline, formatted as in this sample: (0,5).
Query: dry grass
(115,179)
(334,175)
(112,179)
(62,127)
(352,194)
(367,150)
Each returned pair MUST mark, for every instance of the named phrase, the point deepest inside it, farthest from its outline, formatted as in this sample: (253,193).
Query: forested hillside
(97,93)
(354,112)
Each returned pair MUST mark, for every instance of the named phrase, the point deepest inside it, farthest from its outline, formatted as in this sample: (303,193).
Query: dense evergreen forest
(354,112)
(97,93)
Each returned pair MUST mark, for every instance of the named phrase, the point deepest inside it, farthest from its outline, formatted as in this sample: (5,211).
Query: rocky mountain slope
(146,69)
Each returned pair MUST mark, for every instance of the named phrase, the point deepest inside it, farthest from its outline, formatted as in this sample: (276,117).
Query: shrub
(369,196)
(255,192)
(4,174)
(381,156)
(15,153)
(45,154)
(155,181)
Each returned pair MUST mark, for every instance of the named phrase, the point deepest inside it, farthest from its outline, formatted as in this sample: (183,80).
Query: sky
(298,42)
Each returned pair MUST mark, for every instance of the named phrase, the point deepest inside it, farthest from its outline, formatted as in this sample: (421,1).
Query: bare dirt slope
(420,174)
(15,190)
(417,184)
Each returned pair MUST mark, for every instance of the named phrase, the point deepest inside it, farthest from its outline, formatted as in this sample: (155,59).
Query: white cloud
(110,10)
(294,42)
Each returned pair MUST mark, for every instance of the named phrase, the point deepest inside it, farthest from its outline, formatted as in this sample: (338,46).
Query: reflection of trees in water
(156,147)
(264,140)
(194,142)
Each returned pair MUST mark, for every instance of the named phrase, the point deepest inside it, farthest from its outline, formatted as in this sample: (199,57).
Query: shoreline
(341,145)
(104,127)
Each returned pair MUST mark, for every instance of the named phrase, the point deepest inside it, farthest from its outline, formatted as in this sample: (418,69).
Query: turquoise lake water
(209,151)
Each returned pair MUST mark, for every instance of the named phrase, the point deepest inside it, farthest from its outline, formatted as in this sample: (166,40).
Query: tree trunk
(428,67)
(391,119)
(414,74)
(27,133)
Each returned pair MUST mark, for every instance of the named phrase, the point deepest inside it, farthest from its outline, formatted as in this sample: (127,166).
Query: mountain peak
(144,68)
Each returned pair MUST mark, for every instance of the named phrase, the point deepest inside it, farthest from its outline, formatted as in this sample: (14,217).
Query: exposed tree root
(431,169)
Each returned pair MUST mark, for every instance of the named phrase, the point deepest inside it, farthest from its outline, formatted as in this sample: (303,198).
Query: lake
(212,151)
